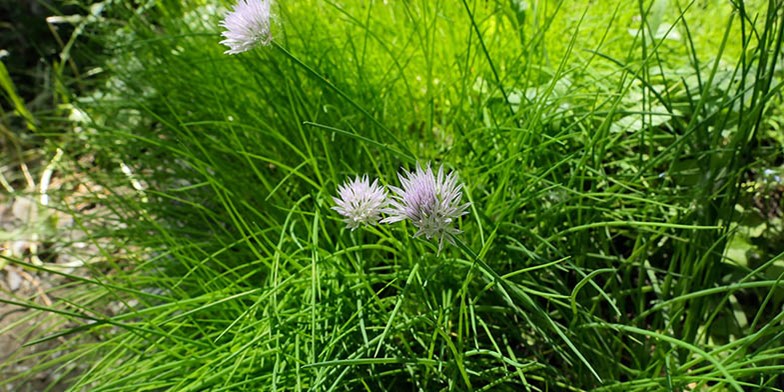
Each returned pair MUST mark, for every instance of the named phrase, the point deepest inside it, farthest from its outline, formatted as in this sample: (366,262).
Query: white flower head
(360,202)
(247,25)
(431,201)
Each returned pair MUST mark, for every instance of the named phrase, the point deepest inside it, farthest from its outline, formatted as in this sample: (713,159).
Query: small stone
(24,209)
(13,279)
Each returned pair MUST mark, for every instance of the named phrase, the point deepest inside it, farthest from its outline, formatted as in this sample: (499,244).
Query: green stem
(527,301)
(405,152)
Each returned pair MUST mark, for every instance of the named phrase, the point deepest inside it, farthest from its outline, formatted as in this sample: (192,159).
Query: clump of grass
(602,154)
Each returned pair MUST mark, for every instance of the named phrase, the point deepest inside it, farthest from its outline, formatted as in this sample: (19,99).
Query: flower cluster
(360,202)
(247,25)
(432,202)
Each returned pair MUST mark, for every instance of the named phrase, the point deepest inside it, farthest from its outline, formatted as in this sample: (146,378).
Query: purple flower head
(247,25)
(360,202)
(431,201)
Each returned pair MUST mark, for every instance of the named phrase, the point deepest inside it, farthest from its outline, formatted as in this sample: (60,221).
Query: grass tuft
(603,147)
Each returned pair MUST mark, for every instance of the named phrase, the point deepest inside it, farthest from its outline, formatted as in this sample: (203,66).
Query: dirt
(36,230)
(20,326)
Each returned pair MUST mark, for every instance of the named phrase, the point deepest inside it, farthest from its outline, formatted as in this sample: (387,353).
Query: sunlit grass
(602,147)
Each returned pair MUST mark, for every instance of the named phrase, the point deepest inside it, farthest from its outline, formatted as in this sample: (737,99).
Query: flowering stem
(506,287)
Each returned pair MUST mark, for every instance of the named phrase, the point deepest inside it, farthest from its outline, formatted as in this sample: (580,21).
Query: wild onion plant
(587,244)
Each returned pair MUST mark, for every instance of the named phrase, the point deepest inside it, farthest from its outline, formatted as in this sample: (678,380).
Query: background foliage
(620,161)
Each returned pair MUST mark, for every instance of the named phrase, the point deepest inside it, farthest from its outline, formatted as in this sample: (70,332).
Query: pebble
(13,279)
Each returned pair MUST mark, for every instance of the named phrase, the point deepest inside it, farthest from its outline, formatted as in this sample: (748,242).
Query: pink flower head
(247,25)
(431,201)
(360,202)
